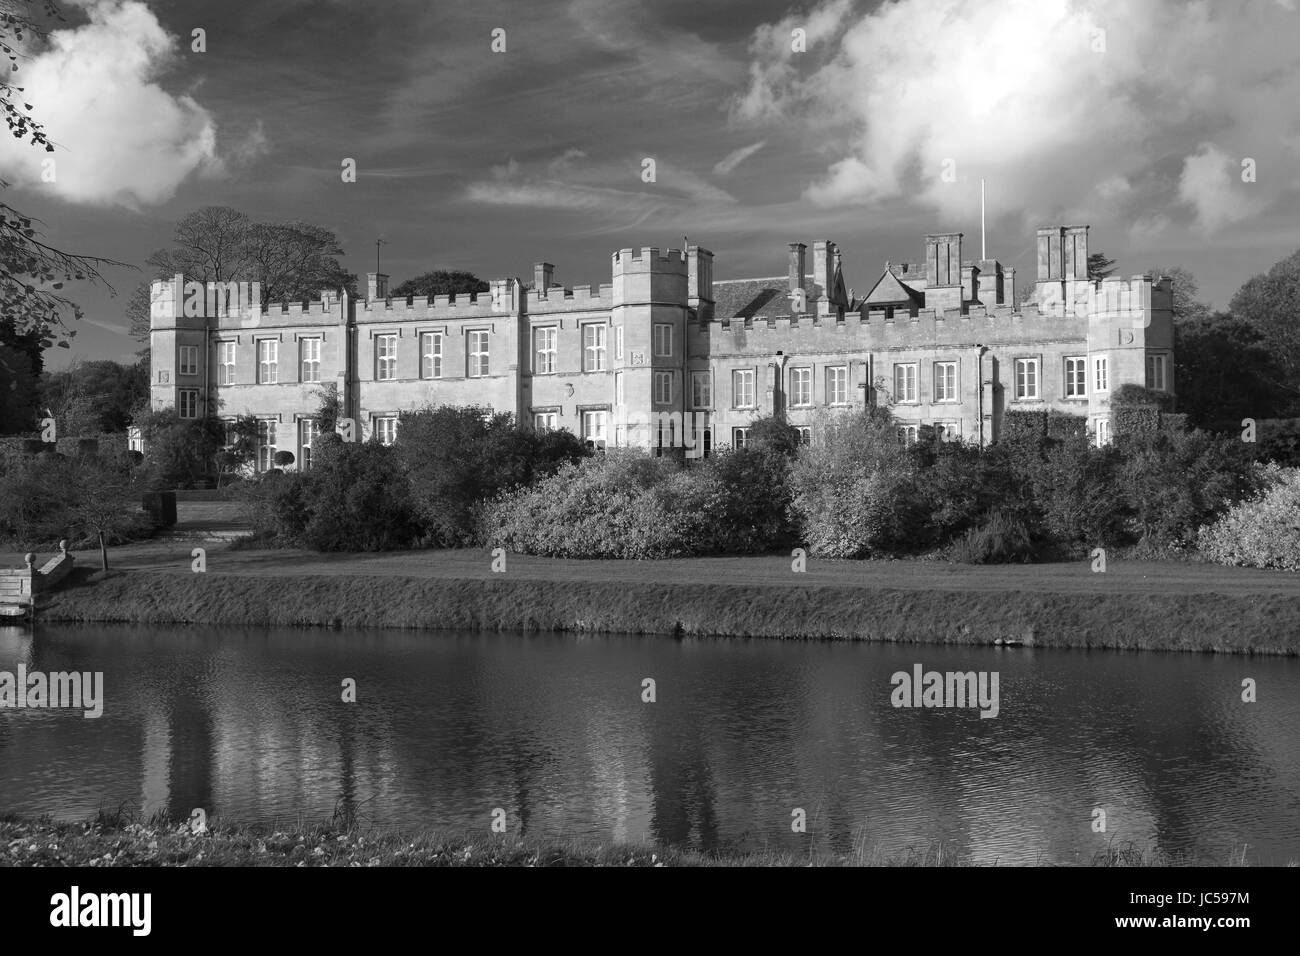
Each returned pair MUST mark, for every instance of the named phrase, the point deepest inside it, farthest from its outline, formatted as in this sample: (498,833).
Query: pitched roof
(746,298)
(889,289)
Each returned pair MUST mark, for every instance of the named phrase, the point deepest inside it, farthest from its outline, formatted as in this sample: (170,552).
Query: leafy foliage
(1263,532)
(440,282)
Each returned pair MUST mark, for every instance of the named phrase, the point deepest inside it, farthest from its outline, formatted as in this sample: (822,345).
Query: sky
(1168,126)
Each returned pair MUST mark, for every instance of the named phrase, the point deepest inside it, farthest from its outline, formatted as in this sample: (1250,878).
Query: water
(249,725)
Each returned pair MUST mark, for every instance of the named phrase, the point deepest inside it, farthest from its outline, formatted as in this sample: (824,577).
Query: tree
(440,282)
(1186,306)
(1271,302)
(238,448)
(32,272)
(18,391)
(103,495)
(180,452)
(1099,266)
(458,457)
(293,261)
(1226,372)
(95,397)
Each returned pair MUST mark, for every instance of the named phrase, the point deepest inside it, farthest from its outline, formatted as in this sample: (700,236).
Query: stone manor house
(665,356)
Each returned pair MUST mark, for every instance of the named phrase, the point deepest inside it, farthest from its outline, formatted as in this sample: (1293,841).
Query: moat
(250,725)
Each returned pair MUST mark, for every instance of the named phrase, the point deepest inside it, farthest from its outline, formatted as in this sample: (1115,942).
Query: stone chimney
(823,269)
(943,271)
(376,286)
(699,281)
(798,266)
(543,276)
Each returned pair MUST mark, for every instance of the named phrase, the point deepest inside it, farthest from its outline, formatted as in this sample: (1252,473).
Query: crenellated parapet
(580,298)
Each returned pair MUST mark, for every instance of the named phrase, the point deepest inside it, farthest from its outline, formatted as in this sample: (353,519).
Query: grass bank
(1133,606)
(111,841)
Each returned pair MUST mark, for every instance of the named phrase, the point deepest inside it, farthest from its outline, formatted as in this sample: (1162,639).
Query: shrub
(1002,537)
(458,457)
(624,504)
(747,498)
(356,498)
(853,490)
(1172,483)
(1262,532)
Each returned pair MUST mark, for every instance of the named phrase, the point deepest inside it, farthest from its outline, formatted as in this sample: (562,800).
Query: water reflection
(250,724)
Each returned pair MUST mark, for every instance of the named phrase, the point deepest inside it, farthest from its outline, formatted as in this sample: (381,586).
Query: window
(268,361)
(189,360)
(904,383)
(593,347)
(478,353)
(742,388)
(266,444)
(738,436)
(1076,377)
(431,355)
(663,388)
(187,403)
(1099,373)
(948,431)
(908,434)
(672,437)
(593,426)
(308,432)
(618,343)
(701,389)
(945,381)
(386,429)
(544,350)
(1027,379)
(545,421)
(801,386)
(310,349)
(663,340)
(225,363)
(385,357)
(837,385)
(805,434)
(619,395)
(1156,372)
(1103,432)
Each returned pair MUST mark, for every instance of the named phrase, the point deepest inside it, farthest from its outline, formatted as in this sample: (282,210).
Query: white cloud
(119,137)
(1211,183)
(1062,106)
(736,157)
(615,187)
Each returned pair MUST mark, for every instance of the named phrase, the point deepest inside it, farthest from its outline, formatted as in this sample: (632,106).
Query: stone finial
(63,546)
(30,560)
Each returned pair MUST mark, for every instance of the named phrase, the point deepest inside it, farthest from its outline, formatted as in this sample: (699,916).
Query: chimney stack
(699,281)
(798,266)
(543,275)
(376,286)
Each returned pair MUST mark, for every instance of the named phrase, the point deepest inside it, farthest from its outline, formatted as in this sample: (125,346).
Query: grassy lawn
(1167,605)
(1127,577)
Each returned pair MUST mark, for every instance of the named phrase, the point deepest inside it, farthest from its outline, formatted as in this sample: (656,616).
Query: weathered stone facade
(664,356)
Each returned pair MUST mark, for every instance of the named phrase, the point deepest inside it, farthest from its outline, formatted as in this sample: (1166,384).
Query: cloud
(1211,183)
(736,157)
(120,139)
(1063,107)
(614,187)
